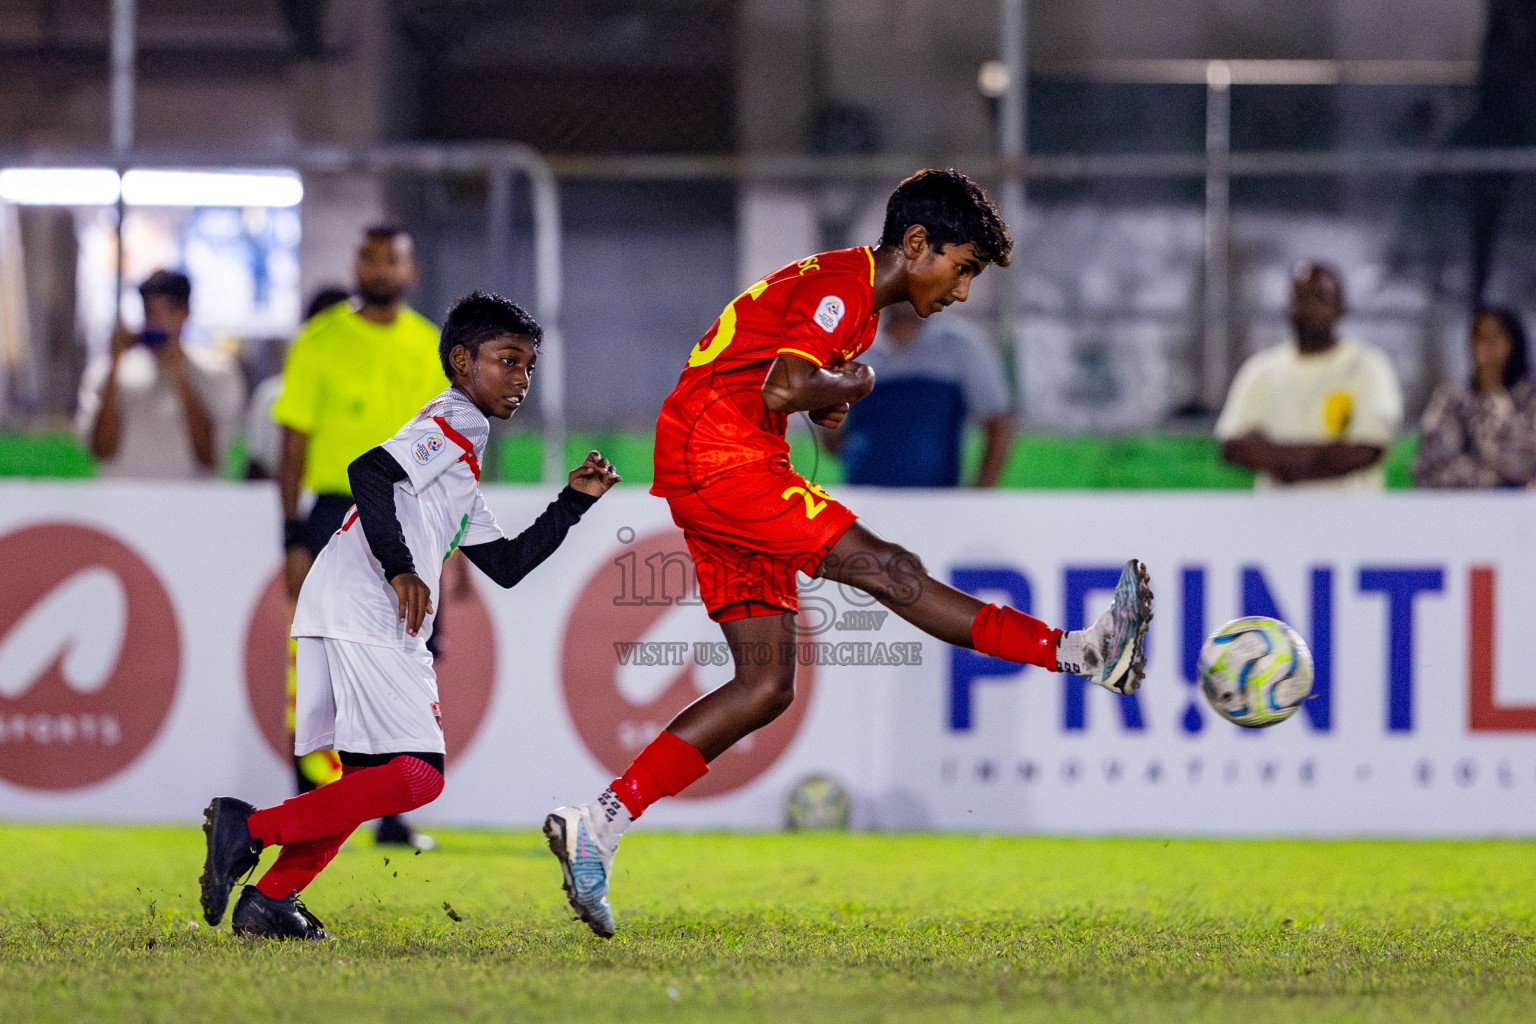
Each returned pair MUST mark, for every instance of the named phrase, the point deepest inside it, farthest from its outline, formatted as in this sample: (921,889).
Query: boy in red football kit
(366,686)
(789,344)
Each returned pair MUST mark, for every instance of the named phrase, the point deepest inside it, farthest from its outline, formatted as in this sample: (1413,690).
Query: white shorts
(365,699)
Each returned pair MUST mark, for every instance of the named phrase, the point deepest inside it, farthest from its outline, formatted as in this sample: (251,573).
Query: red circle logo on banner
(466,666)
(610,632)
(90,655)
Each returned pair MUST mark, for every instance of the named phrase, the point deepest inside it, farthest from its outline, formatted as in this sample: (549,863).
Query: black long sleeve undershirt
(508,561)
(373,476)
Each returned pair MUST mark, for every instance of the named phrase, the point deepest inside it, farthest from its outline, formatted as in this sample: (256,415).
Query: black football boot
(232,852)
(260,915)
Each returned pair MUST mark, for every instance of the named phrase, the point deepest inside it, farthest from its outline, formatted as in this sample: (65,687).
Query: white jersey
(439,506)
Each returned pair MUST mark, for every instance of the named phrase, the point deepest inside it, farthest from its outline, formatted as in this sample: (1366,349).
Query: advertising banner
(143,663)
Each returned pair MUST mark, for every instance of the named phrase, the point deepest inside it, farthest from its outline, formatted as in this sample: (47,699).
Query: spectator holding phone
(152,409)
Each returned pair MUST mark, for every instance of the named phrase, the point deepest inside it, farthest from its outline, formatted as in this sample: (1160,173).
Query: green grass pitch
(96,923)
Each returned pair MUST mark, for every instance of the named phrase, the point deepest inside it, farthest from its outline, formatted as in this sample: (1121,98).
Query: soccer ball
(818,803)
(1255,671)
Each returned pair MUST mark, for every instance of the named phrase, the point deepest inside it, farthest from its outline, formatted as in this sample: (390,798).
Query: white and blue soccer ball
(1255,671)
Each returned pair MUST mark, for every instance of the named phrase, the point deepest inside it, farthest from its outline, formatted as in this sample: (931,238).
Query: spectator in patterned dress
(1482,433)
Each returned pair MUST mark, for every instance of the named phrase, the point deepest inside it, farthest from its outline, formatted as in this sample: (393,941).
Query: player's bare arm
(831,417)
(794,384)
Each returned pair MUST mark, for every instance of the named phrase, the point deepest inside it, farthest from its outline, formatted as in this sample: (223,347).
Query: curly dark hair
(480,317)
(953,208)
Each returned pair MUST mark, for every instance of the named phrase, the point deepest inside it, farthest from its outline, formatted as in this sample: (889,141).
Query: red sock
(299,863)
(1008,633)
(403,784)
(665,768)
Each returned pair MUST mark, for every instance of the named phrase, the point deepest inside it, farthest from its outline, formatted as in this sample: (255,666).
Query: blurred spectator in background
(263,437)
(1320,412)
(1482,433)
(932,377)
(153,409)
(355,373)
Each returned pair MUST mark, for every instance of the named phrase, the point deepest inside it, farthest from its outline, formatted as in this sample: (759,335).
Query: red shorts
(751,531)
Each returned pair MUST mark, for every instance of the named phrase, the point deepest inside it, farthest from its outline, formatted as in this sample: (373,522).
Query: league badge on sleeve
(830,313)
(427,448)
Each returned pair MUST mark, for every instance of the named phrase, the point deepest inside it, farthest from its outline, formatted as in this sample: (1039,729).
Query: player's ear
(914,241)
(460,360)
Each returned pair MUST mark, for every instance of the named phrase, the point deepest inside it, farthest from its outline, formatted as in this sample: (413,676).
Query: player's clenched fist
(415,599)
(594,476)
(831,417)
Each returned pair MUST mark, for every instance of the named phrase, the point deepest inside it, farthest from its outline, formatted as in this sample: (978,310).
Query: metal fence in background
(1142,277)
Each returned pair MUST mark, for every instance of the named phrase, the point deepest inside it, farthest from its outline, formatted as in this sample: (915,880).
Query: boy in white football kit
(366,687)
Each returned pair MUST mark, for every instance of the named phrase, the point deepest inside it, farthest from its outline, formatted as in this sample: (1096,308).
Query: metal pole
(124,61)
(1218,233)
(547,288)
(498,227)
(1012,138)
(1011,128)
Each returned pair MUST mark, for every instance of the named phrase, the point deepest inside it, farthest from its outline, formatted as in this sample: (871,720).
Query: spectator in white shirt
(153,410)
(1317,413)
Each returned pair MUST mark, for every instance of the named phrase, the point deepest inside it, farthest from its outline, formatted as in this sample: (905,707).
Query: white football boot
(1112,652)
(585,865)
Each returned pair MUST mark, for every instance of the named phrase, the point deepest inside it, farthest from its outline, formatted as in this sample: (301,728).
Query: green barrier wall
(1038,461)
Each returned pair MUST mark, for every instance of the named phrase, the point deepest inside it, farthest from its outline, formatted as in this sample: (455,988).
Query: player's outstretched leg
(585,838)
(259,915)
(1110,653)
(232,852)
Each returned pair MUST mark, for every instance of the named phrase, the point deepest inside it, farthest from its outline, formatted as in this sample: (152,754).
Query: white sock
(1079,652)
(610,818)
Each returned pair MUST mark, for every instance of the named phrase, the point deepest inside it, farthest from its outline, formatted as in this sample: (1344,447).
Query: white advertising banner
(143,663)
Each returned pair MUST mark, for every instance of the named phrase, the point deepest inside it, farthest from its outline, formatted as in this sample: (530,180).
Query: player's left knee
(423,781)
(773,691)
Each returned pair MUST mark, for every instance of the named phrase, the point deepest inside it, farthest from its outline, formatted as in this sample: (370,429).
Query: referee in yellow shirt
(355,374)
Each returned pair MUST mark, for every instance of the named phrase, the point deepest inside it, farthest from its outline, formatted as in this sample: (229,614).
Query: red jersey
(821,309)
